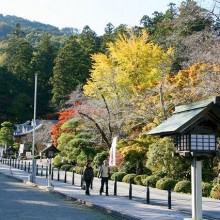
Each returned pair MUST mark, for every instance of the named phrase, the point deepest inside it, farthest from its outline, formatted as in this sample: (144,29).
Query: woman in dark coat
(88,176)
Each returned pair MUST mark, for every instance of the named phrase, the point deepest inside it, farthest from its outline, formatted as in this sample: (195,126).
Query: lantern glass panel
(183,142)
(203,142)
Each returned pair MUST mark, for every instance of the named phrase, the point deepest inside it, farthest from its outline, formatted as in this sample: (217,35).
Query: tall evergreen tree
(42,64)
(68,71)
(8,90)
(107,37)
(18,58)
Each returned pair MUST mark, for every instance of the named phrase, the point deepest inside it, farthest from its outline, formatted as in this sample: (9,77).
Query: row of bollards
(26,167)
(148,193)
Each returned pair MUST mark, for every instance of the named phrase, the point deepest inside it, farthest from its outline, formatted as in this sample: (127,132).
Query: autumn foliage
(63,117)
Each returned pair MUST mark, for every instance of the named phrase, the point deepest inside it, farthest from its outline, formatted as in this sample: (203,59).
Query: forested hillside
(29,28)
(122,83)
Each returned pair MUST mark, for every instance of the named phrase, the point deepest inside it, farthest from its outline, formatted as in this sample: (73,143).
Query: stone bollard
(58,174)
(46,171)
(52,173)
(37,170)
(115,186)
(148,193)
(130,190)
(42,169)
(169,196)
(81,184)
(29,165)
(64,176)
(73,179)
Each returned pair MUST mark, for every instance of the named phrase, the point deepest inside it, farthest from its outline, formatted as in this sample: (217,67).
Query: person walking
(88,177)
(104,173)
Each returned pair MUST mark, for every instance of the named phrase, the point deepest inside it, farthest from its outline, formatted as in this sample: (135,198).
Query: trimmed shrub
(72,169)
(164,182)
(206,189)
(143,179)
(119,176)
(215,181)
(128,177)
(57,161)
(152,180)
(183,186)
(78,170)
(99,158)
(138,180)
(215,192)
(66,167)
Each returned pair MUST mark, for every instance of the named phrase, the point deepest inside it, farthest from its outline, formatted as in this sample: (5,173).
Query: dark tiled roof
(186,116)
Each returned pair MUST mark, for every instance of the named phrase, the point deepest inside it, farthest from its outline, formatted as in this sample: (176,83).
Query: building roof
(50,148)
(187,116)
(26,128)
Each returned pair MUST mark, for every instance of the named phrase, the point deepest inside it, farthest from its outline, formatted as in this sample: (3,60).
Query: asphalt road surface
(19,201)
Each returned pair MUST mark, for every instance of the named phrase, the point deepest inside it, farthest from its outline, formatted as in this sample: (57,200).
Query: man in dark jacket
(88,177)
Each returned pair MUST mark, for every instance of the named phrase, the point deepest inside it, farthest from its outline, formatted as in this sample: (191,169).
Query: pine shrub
(164,183)
(119,176)
(183,186)
(66,167)
(215,192)
(129,177)
(152,180)
(138,180)
(206,189)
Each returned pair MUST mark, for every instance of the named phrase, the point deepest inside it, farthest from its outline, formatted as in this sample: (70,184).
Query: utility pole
(33,179)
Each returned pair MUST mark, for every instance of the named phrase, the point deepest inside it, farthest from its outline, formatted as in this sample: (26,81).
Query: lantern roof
(186,117)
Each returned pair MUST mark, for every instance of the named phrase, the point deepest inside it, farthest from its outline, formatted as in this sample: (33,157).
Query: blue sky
(78,13)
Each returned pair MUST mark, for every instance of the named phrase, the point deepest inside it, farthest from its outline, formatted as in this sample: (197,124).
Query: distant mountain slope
(8,22)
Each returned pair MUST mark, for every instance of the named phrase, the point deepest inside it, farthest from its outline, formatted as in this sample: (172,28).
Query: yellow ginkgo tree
(133,62)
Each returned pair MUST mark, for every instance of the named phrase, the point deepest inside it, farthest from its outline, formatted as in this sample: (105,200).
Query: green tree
(107,37)
(89,43)
(17,32)
(18,59)
(75,143)
(89,40)
(42,64)
(8,91)
(68,71)
(21,102)
(161,162)
(6,134)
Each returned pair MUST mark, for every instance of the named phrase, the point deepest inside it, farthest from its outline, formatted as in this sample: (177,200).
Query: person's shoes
(100,193)
(107,194)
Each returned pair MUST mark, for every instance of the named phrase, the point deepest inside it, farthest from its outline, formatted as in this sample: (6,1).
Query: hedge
(183,186)
(164,183)
(66,167)
(152,180)
(215,192)
(119,176)
(206,189)
(129,177)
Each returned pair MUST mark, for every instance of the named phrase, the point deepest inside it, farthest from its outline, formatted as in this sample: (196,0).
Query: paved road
(19,201)
(181,203)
